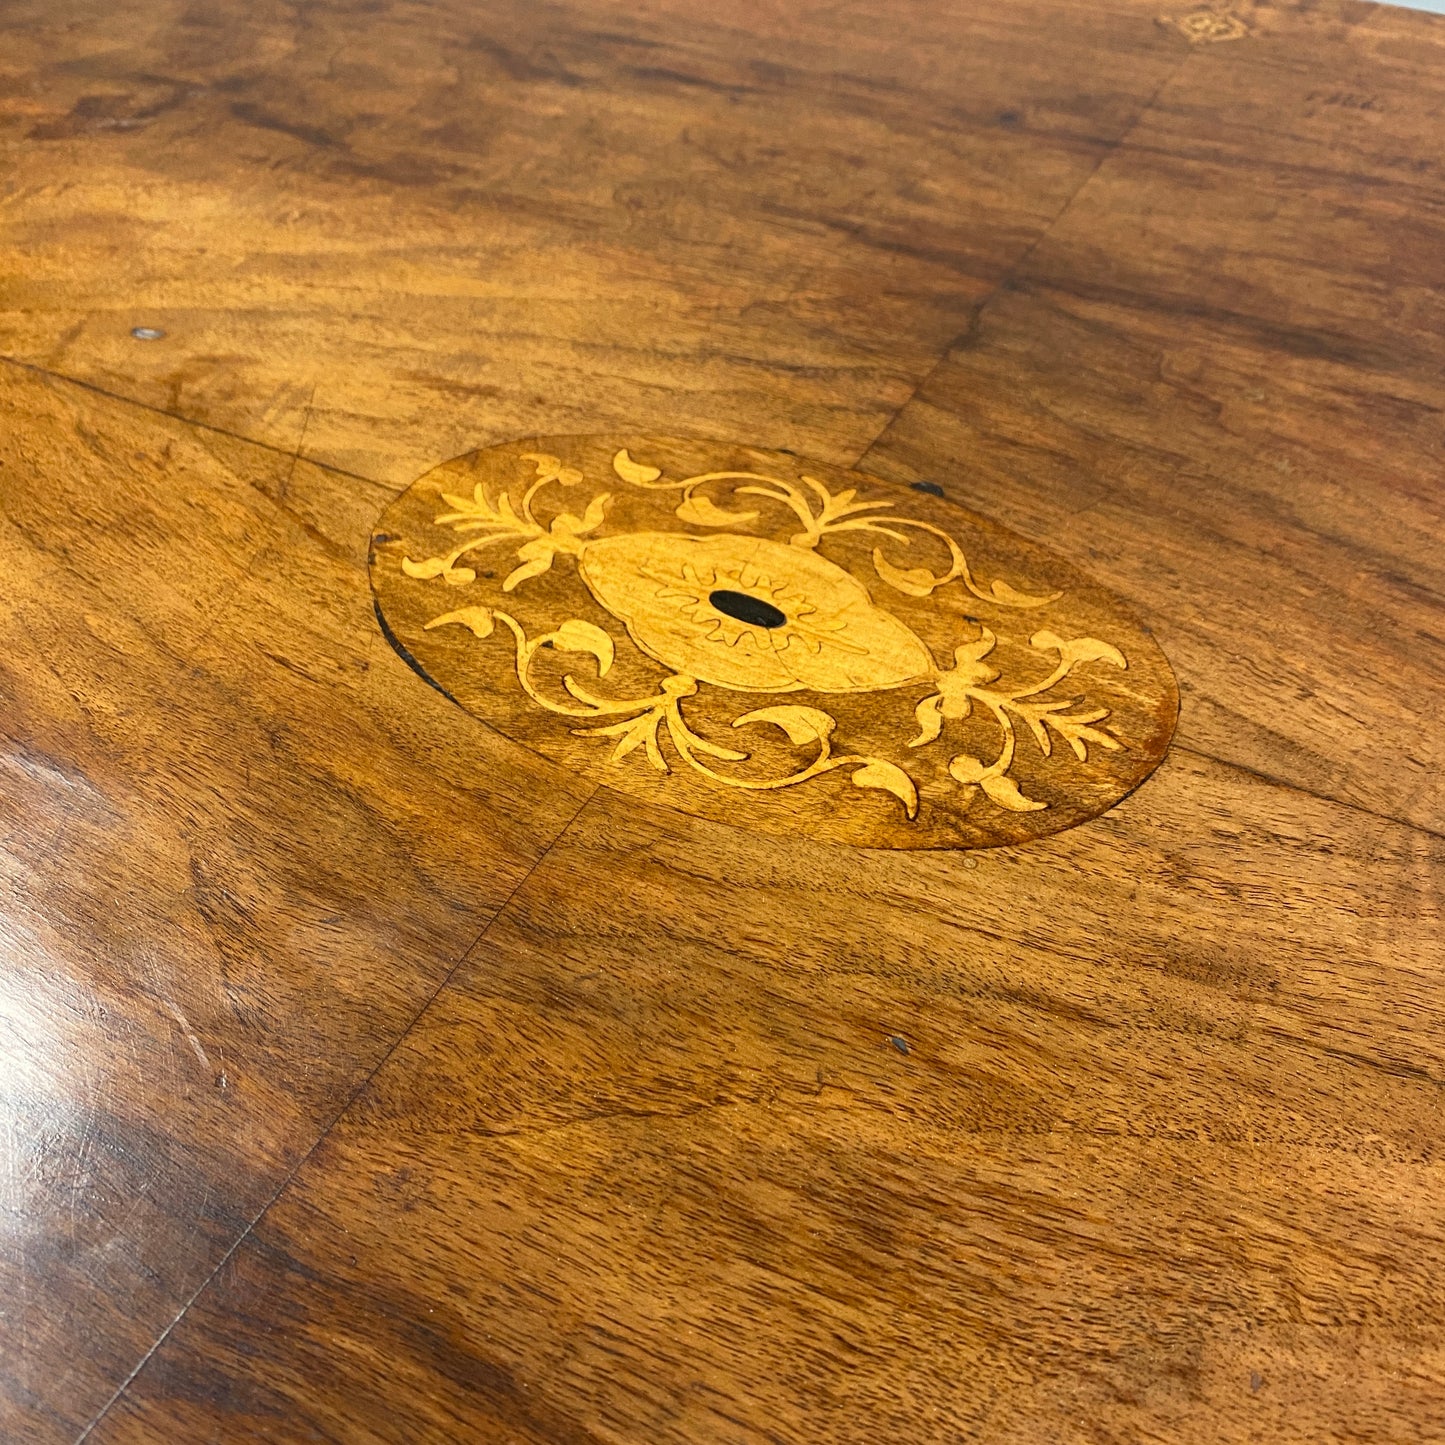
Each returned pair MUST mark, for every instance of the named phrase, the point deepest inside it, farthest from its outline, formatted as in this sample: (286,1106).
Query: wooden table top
(387,1063)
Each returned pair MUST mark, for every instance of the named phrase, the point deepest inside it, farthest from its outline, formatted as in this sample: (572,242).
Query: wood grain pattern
(365,1078)
(224,892)
(1229,403)
(388,233)
(891,1147)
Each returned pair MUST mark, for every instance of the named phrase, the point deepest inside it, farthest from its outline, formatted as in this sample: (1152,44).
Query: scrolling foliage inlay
(934,676)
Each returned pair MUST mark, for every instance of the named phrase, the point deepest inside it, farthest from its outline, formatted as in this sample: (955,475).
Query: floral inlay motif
(719,606)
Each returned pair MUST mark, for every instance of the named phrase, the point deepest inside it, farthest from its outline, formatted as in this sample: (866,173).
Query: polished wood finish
(367,1077)
(400,231)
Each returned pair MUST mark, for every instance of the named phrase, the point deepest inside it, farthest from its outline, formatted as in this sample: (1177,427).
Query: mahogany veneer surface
(367,1076)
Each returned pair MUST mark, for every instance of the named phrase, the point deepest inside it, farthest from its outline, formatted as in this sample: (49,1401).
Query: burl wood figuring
(782,981)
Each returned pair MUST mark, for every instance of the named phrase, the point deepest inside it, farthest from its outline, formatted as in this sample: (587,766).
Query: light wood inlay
(742,634)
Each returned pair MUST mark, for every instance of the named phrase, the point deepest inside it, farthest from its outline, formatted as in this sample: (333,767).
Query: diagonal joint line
(1274,781)
(1013,272)
(250,441)
(350,1099)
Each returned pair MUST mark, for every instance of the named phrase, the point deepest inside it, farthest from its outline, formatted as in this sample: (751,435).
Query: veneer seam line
(1319,797)
(1014,271)
(119,397)
(325,1133)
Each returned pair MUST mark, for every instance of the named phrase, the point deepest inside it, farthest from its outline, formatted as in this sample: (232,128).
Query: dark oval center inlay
(752,610)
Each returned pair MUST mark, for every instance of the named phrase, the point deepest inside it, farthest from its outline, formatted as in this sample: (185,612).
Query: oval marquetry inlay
(772,642)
